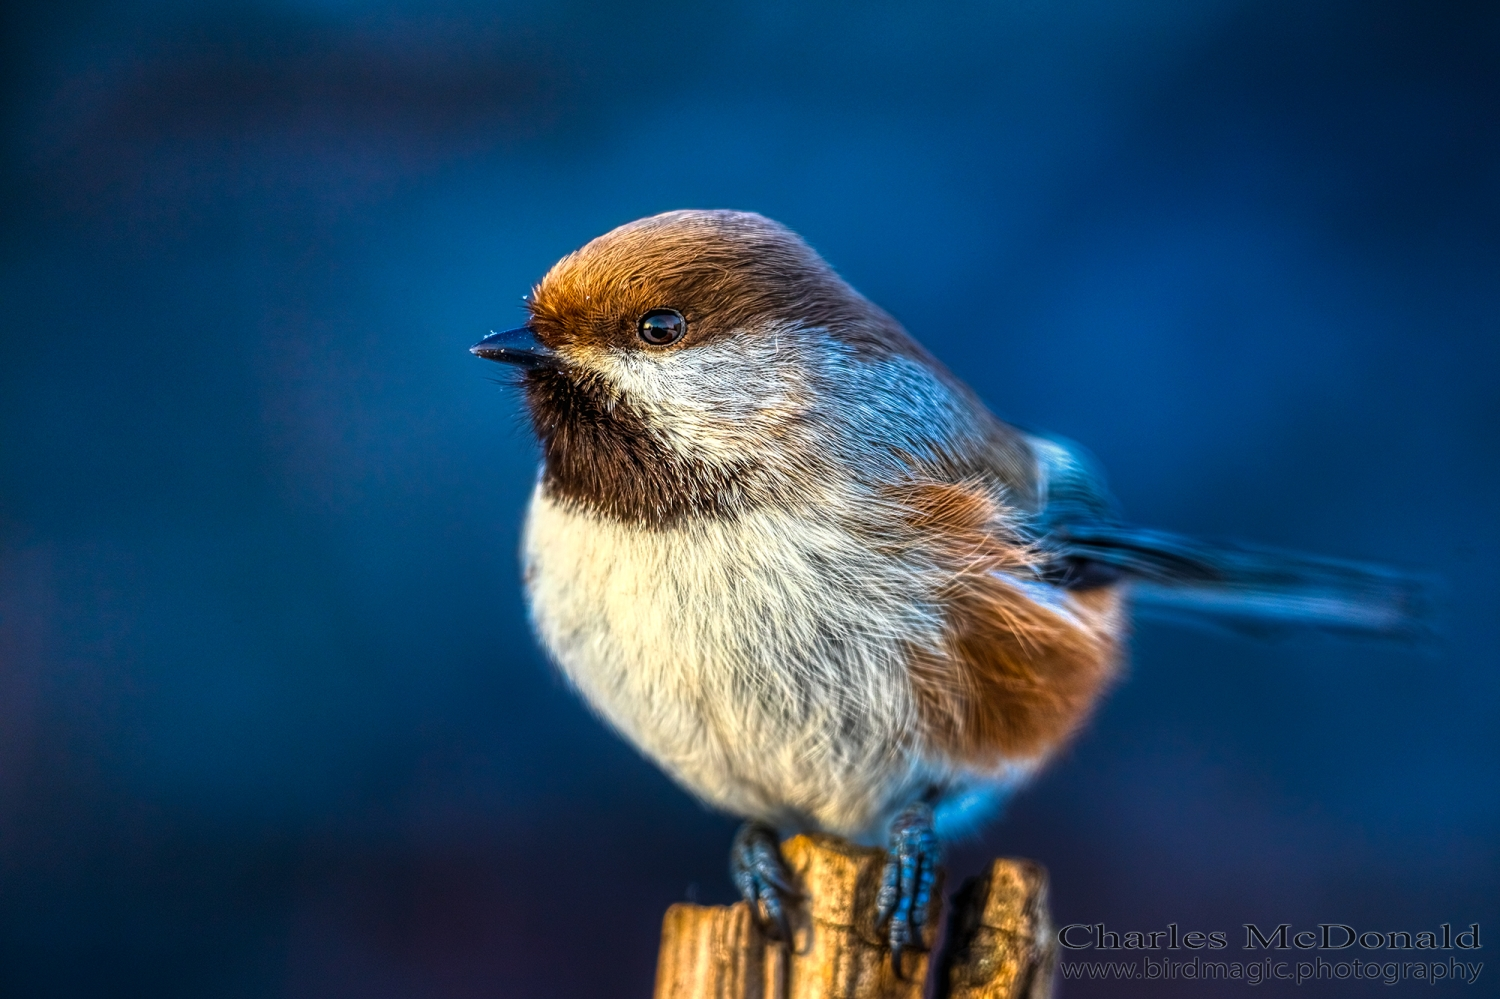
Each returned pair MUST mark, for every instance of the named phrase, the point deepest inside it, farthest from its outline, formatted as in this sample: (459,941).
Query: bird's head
(703,361)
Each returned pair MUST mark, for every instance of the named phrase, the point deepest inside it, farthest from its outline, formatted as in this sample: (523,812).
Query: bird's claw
(756,867)
(906,884)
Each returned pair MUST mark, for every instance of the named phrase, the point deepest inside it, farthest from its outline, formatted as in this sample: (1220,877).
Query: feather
(1247,588)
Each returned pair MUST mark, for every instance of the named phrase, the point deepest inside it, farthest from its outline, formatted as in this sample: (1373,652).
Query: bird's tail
(1256,589)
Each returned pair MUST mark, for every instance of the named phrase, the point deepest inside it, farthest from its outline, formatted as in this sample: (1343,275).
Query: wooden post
(1000,943)
(1000,938)
(711,952)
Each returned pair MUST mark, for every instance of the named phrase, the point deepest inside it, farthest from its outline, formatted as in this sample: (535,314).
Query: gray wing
(1246,587)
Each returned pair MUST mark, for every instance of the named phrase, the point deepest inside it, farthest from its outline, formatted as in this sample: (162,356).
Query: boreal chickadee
(804,569)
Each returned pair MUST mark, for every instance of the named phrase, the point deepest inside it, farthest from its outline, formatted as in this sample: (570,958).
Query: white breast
(757,659)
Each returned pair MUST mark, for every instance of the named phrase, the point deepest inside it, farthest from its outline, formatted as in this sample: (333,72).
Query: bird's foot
(756,867)
(906,885)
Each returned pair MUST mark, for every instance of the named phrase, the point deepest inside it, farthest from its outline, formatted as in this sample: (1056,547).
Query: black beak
(518,346)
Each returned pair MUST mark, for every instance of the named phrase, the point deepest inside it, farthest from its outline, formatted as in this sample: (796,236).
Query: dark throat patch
(600,454)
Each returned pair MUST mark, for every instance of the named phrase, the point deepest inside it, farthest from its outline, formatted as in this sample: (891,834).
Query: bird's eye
(660,327)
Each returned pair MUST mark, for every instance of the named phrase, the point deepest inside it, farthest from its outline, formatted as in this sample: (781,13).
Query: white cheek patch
(719,401)
(783,394)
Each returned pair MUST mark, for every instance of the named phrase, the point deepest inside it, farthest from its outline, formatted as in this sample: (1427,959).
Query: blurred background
(271,721)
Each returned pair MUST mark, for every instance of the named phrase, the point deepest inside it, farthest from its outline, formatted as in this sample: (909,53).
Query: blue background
(271,722)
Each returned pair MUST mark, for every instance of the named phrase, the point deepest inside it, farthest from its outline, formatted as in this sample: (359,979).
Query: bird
(802,567)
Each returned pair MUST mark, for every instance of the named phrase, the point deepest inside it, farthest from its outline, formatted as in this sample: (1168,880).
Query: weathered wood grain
(1001,944)
(711,952)
(1000,938)
(839,954)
